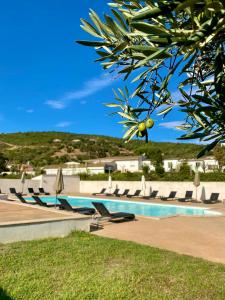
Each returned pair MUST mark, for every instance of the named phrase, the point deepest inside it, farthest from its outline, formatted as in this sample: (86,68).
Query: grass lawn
(83,266)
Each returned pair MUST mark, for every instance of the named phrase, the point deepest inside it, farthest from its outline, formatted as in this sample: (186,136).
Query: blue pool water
(138,208)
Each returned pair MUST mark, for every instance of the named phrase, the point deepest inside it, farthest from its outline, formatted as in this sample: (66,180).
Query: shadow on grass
(4,296)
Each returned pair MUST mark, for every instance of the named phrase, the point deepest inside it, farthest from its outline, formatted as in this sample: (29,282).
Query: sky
(50,83)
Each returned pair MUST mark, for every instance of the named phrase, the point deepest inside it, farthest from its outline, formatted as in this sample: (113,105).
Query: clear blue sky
(47,81)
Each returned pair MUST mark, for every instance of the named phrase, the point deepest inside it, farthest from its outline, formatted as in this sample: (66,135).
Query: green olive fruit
(149,123)
(141,126)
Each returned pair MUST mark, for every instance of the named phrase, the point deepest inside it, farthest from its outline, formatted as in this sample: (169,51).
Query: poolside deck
(20,222)
(196,236)
(202,237)
(15,212)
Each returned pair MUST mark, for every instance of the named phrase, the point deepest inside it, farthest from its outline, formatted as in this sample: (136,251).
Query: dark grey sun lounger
(23,200)
(187,197)
(115,193)
(102,192)
(31,191)
(42,191)
(42,203)
(103,211)
(125,193)
(64,204)
(213,199)
(136,194)
(171,196)
(153,195)
(13,191)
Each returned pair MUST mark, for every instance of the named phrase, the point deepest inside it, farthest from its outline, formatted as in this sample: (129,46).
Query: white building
(69,171)
(132,164)
(208,164)
(128,164)
(170,165)
(148,163)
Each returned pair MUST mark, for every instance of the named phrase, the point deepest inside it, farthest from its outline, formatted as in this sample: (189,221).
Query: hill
(45,148)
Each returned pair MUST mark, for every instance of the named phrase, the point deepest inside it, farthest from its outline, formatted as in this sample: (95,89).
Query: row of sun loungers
(65,205)
(214,197)
(30,191)
(117,194)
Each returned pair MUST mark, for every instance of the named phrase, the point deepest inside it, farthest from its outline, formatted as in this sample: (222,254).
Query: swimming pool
(138,208)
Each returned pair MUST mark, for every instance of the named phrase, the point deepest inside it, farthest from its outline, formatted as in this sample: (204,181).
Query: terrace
(196,236)
(20,222)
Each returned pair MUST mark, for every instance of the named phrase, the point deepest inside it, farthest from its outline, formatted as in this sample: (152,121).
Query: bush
(153,176)
(159,169)
(145,170)
(185,169)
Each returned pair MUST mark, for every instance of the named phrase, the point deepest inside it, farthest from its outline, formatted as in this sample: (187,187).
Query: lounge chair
(31,191)
(64,204)
(171,196)
(153,195)
(23,200)
(42,191)
(213,199)
(42,203)
(103,211)
(13,191)
(136,194)
(115,193)
(100,193)
(125,193)
(187,197)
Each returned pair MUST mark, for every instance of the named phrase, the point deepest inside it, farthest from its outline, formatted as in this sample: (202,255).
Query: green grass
(83,266)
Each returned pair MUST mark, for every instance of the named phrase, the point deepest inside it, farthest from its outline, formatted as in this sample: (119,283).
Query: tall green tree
(159,40)
(219,153)
(3,163)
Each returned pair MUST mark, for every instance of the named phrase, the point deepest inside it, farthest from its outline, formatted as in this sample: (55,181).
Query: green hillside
(45,148)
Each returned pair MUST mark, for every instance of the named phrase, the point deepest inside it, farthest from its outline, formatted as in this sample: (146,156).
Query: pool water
(138,208)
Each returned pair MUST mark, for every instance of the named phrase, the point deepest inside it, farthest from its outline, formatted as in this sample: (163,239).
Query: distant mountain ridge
(45,148)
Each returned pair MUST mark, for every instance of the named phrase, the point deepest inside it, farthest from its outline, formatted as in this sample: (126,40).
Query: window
(212,167)
(170,165)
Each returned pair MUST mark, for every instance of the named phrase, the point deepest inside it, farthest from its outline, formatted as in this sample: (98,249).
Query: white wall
(71,184)
(164,187)
(5,184)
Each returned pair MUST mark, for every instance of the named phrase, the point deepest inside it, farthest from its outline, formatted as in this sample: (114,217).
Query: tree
(185,169)
(153,42)
(3,162)
(155,155)
(219,153)
(145,169)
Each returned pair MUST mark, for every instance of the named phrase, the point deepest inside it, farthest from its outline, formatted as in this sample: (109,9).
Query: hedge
(178,176)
